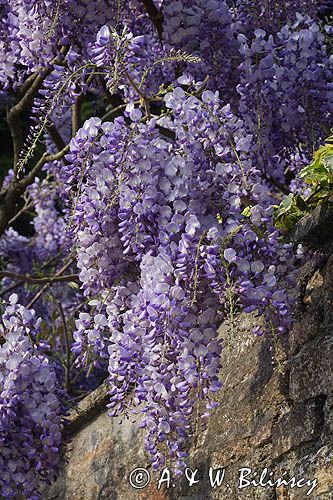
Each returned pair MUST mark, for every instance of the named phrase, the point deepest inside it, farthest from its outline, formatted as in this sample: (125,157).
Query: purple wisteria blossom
(151,143)
(30,408)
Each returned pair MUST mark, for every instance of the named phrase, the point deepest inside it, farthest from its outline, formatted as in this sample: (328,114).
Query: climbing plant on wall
(151,143)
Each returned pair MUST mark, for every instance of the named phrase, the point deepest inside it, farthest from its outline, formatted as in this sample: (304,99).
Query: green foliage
(320,172)
(319,175)
(290,210)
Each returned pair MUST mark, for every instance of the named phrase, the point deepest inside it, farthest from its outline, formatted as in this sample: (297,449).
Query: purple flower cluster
(92,184)
(117,53)
(145,214)
(49,225)
(164,207)
(30,409)
(32,32)
(285,85)
(205,28)
(270,15)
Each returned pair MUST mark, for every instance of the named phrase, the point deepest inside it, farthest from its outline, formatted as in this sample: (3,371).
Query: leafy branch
(319,175)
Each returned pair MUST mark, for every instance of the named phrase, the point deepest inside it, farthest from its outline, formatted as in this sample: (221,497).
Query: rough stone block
(316,228)
(328,412)
(311,371)
(301,424)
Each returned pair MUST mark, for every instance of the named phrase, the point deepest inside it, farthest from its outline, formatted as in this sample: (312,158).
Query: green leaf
(328,163)
(290,211)
(285,205)
(247,211)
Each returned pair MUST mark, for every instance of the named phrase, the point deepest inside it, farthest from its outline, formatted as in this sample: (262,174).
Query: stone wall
(279,417)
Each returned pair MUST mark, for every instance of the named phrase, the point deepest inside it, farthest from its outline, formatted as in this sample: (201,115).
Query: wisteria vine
(151,143)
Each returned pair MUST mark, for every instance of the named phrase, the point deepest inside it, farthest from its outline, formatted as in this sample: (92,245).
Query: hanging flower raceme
(30,408)
(285,84)
(157,196)
(158,267)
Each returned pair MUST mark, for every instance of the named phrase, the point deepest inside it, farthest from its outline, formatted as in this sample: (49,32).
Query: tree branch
(10,288)
(15,127)
(26,85)
(46,286)
(38,280)
(31,87)
(156,16)
(76,112)
(10,196)
(123,105)
(26,181)
(56,137)
(27,205)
